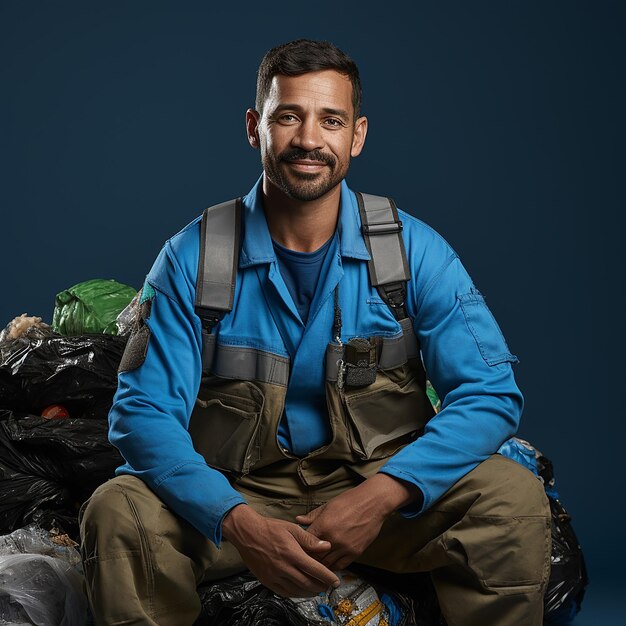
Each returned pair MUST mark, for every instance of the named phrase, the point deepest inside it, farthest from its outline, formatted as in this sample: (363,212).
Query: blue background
(501,124)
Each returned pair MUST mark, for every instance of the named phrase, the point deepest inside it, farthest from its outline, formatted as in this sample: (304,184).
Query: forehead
(323,89)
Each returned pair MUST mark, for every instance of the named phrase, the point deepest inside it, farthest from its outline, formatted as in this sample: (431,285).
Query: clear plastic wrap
(44,590)
(126,319)
(35,540)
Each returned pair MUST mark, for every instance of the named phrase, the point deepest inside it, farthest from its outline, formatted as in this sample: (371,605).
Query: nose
(309,136)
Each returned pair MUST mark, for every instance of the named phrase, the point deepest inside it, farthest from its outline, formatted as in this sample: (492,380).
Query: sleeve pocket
(485,329)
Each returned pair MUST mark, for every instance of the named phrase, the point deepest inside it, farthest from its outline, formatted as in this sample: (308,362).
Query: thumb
(311,516)
(309,542)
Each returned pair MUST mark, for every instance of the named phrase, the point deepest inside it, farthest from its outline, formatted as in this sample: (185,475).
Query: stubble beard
(303,186)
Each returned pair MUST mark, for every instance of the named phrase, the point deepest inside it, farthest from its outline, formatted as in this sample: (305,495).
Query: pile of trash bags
(56,388)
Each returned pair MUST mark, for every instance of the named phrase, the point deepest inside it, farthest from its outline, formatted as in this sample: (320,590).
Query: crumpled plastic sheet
(45,590)
(39,369)
(126,319)
(532,459)
(520,451)
(354,601)
(33,539)
(40,581)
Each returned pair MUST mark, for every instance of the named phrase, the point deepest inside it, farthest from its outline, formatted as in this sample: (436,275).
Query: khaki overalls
(486,542)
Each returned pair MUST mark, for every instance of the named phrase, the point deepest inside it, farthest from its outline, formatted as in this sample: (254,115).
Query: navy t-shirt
(301,271)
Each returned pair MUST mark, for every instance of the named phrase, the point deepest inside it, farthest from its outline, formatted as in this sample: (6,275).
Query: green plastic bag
(90,307)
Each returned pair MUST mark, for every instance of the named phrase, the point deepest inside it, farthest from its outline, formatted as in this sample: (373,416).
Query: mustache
(296,154)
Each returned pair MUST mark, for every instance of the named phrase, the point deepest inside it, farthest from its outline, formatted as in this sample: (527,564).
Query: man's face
(307,133)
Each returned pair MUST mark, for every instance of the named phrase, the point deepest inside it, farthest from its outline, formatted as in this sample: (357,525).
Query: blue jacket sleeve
(469,364)
(152,407)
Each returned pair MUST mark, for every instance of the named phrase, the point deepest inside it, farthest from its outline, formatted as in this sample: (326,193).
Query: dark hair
(302,56)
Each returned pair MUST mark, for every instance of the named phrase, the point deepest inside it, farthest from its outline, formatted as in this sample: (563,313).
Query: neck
(300,225)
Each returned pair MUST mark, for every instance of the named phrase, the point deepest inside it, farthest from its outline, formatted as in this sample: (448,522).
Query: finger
(291,581)
(302,577)
(334,560)
(339,558)
(305,563)
(315,570)
(298,585)
(309,542)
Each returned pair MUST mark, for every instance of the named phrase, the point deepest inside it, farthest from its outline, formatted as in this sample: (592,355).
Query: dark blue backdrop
(501,124)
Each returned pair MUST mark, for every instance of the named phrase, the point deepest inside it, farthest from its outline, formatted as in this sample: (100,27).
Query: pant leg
(142,562)
(486,543)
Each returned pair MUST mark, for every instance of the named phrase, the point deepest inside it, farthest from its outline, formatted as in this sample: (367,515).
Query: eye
(288,118)
(333,122)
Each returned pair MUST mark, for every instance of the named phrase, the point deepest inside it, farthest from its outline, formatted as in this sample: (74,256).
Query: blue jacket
(465,356)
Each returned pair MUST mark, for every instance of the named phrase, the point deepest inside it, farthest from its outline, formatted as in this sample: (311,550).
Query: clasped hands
(294,562)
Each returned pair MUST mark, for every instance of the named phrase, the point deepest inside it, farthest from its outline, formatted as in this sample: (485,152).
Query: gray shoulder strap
(219,255)
(388,267)
(218,261)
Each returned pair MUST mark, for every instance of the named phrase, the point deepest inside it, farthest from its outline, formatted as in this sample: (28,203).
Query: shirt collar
(257,243)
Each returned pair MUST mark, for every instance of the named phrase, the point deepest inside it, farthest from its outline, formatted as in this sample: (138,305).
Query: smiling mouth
(307,165)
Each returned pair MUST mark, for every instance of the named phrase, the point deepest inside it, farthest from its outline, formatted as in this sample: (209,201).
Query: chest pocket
(225,425)
(388,414)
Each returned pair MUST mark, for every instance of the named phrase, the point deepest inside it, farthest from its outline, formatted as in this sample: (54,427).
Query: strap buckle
(383,228)
(395,297)
(209,318)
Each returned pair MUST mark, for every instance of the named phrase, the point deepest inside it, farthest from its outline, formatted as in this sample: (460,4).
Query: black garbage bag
(41,369)
(568,577)
(49,467)
(243,601)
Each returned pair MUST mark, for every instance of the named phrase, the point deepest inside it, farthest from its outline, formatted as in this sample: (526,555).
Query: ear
(252,127)
(358,139)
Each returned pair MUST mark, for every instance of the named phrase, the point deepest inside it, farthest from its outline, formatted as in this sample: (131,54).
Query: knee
(509,490)
(505,536)
(109,520)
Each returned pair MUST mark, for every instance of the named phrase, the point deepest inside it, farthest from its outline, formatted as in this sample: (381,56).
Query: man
(286,456)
